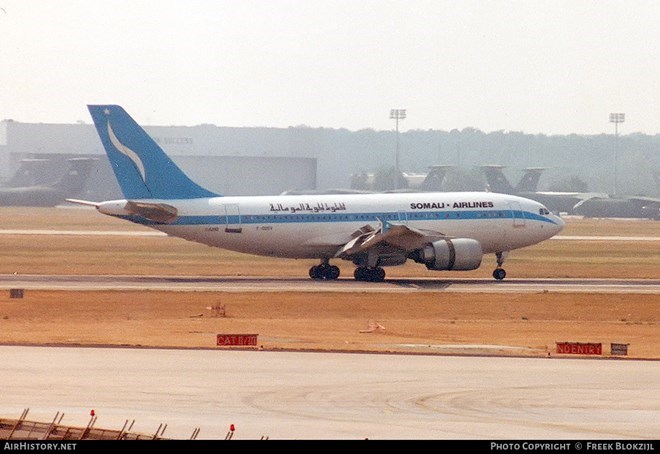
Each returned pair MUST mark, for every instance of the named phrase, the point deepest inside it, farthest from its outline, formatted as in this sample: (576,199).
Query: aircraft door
(517,214)
(402,217)
(232,218)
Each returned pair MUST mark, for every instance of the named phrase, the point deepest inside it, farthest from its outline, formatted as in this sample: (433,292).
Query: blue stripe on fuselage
(347,217)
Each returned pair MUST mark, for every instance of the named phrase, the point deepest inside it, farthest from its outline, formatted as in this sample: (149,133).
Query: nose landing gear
(499,273)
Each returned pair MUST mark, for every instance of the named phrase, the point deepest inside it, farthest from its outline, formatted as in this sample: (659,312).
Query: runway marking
(244,284)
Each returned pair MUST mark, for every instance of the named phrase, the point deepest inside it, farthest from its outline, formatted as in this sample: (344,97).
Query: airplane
(435,179)
(31,172)
(29,187)
(620,207)
(429,182)
(443,231)
(439,178)
(557,202)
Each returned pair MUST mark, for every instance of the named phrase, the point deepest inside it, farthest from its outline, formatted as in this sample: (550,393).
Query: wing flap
(392,236)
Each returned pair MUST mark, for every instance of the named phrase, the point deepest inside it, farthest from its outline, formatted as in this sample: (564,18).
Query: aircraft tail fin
(31,172)
(435,179)
(74,180)
(496,180)
(142,168)
(530,180)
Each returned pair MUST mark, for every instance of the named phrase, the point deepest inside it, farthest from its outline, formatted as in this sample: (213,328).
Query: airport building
(229,161)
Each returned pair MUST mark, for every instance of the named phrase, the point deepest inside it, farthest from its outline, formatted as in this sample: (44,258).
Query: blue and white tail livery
(440,230)
(143,170)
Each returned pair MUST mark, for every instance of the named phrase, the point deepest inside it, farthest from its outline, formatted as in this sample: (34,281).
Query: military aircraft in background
(363,183)
(619,207)
(498,182)
(439,178)
(557,202)
(622,206)
(435,179)
(31,172)
(31,186)
(448,178)
(587,204)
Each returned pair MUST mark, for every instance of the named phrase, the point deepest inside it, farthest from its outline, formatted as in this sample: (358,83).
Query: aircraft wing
(390,237)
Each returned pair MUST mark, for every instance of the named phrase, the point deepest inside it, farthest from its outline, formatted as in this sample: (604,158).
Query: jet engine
(460,254)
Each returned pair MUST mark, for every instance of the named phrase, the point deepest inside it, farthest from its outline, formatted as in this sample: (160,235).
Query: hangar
(229,161)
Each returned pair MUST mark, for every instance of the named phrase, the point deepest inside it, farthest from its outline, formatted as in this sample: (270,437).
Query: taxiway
(288,395)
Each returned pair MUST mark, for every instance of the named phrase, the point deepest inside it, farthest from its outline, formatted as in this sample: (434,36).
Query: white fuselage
(316,226)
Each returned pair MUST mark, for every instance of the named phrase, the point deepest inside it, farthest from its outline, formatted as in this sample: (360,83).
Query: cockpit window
(544,211)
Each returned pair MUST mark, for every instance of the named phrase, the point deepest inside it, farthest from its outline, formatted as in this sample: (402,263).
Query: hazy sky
(553,67)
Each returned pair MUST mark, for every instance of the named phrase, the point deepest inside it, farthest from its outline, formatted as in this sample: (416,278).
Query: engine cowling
(460,254)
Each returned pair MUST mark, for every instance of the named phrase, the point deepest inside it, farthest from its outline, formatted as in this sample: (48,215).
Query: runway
(302,395)
(303,284)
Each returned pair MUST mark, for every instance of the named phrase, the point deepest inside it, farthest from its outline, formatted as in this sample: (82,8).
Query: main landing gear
(369,274)
(499,272)
(324,271)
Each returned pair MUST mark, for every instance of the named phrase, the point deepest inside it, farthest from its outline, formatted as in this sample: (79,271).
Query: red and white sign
(231,340)
(577,348)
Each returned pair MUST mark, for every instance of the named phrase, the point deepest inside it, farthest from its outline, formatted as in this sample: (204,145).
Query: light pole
(616,118)
(396,115)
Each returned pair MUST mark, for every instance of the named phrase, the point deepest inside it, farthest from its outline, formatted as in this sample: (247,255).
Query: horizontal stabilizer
(156,212)
(83,202)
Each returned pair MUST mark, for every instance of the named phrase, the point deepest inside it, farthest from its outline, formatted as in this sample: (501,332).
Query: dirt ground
(425,323)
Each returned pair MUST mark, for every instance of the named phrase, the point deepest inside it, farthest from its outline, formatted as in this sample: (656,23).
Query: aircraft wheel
(332,272)
(369,274)
(324,272)
(362,274)
(499,274)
